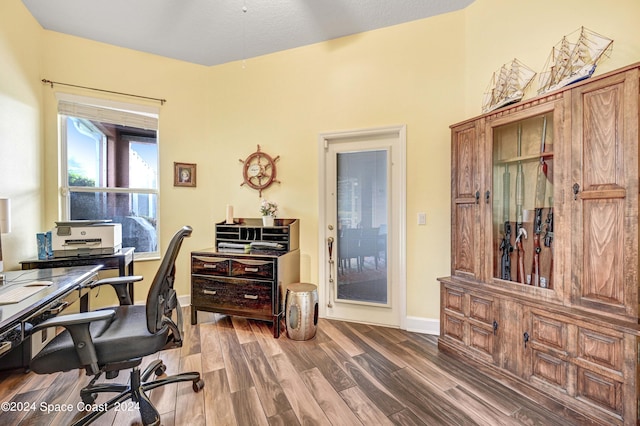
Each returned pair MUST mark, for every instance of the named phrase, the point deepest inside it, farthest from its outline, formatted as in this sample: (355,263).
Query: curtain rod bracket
(51,83)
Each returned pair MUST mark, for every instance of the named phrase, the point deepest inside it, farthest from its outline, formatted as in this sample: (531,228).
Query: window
(110,167)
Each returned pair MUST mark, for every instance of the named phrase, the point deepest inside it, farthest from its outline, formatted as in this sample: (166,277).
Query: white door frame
(324,139)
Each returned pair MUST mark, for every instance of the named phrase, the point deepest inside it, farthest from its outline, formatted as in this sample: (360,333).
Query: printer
(86,237)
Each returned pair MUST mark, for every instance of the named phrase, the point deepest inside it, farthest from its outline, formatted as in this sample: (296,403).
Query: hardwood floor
(349,374)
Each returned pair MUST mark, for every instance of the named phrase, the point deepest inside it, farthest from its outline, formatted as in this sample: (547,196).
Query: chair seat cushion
(121,338)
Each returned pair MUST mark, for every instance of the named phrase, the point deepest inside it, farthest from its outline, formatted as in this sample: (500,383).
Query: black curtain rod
(162,101)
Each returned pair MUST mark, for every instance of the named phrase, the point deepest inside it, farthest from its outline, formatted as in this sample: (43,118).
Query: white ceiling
(211,32)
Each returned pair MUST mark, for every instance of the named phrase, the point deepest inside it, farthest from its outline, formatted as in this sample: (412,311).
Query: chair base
(135,391)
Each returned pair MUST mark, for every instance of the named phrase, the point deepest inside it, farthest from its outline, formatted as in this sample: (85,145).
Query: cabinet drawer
(232,295)
(248,268)
(209,265)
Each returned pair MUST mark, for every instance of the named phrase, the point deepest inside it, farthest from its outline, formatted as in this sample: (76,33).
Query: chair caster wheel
(197,386)
(88,398)
(160,370)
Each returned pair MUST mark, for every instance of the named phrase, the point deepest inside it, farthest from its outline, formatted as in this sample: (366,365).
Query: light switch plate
(422,218)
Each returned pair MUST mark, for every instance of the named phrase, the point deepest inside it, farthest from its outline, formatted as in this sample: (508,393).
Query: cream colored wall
(499,30)
(426,74)
(216,116)
(21,144)
(182,129)
(386,77)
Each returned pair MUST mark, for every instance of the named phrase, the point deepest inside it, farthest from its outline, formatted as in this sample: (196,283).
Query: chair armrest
(125,279)
(120,285)
(75,319)
(78,327)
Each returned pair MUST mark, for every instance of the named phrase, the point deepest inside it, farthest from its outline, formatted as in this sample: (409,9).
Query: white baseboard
(185,300)
(423,325)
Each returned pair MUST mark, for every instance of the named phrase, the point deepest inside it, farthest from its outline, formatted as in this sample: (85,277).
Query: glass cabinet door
(522,211)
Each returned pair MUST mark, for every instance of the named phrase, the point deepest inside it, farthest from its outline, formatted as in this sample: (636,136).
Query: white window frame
(141,116)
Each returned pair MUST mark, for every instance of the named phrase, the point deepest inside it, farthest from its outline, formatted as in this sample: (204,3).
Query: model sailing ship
(570,62)
(507,85)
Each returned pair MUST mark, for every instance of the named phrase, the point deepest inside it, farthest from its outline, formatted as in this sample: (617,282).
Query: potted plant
(269,211)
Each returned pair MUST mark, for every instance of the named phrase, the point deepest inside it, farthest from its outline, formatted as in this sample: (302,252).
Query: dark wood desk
(122,261)
(17,319)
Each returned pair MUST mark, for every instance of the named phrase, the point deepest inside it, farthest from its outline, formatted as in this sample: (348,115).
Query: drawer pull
(251,269)
(251,296)
(211,292)
(210,266)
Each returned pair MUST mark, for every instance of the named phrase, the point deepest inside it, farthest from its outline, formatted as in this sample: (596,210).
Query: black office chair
(110,340)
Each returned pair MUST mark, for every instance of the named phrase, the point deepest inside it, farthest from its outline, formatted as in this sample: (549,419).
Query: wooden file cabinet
(249,285)
(242,285)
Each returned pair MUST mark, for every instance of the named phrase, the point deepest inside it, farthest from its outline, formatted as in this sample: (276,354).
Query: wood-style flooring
(349,374)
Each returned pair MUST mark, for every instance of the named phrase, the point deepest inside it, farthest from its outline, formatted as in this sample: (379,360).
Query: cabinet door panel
(453,327)
(454,300)
(600,390)
(600,349)
(481,339)
(550,369)
(466,246)
(549,332)
(481,309)
(466,186)
(604,170)
(466,171)
(603,252)
(602,137)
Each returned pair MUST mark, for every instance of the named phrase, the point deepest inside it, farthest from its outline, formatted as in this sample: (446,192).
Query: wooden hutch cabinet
(544,260)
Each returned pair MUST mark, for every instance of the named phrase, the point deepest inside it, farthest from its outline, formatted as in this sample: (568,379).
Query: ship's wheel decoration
(259,170)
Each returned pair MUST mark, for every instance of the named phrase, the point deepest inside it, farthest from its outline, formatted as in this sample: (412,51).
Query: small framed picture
(184,174)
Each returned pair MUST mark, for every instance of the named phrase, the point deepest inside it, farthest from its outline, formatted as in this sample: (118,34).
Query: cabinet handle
(251,269)
(495,327)
(211,292)
(576,189)
(487,195)
(477,197)
(251,296)
(526,339)
(210,266)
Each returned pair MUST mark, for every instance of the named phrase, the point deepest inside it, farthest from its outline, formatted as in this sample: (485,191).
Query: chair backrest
(348,243)
(162,299)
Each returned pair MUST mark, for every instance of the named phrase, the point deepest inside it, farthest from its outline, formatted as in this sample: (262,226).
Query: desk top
(63,281)
(78,260)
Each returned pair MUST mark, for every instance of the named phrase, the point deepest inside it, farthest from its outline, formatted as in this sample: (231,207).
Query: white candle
(229,213)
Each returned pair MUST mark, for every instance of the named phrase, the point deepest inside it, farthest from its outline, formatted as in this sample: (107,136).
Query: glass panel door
(523,201)
(362,199)
(362,229)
